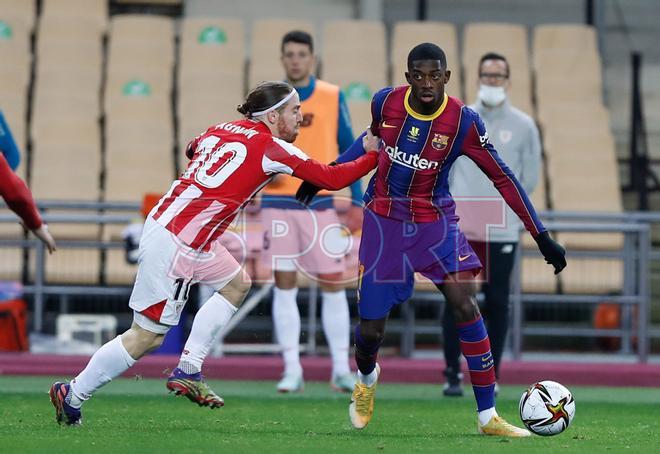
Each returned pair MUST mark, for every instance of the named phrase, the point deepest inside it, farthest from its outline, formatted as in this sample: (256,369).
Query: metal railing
(635,292)
(636,256)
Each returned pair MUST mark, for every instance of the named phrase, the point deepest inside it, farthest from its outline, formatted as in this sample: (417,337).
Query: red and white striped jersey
(229,164)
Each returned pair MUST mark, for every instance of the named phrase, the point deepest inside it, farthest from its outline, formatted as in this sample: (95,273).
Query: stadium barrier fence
(636,255)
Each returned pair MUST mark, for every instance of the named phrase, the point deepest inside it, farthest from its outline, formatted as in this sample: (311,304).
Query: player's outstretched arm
(366,141)
(477,148)
(19,200)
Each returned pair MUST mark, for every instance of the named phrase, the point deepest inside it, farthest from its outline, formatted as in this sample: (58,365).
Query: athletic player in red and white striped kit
(230,163)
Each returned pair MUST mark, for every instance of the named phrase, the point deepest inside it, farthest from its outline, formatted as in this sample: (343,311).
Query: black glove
(306,191)
(552,251)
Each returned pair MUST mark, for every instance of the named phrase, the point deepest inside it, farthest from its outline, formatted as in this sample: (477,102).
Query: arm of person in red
(333,176)
(19,200)
(477,147)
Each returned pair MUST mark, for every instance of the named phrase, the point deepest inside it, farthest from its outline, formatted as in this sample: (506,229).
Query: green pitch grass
(139,416)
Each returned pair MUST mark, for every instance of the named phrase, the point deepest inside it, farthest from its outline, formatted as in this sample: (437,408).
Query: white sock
(368,379)
(486,415)
(210,318)
(336,325)
(286,319)
(108,362)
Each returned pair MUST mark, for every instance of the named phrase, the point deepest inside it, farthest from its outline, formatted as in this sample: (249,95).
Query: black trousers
(498,260)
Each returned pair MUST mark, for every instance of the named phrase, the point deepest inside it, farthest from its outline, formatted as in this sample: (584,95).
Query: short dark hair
(264,96)
(495,56)
(427,51)
(300,37)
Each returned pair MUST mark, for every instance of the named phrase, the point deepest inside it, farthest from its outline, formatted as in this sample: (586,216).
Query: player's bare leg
(369,335)
(111,360)
(335,319)
(186,379)
(459,290)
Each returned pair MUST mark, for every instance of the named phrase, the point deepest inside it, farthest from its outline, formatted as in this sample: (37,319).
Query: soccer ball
(547,408)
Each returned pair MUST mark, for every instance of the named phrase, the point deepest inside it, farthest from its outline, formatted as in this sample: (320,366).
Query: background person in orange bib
(297,239)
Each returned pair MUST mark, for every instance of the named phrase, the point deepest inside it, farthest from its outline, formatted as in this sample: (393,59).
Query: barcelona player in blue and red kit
(410,225)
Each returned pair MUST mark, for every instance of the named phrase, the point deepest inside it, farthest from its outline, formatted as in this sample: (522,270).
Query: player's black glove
(306,191)
(552,251)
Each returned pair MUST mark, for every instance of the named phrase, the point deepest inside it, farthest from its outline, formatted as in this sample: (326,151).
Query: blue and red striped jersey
(411,182)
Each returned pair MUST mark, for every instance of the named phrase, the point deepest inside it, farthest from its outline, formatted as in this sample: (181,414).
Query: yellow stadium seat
(408,34)
(94,12)
(23,11)
(141,28)
(480,38)
(224,37)
(576,37)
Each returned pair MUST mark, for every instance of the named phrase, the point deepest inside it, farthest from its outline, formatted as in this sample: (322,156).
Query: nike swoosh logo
(385,125)
(463,258)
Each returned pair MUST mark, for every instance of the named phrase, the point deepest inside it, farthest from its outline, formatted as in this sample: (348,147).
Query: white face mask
(491,96)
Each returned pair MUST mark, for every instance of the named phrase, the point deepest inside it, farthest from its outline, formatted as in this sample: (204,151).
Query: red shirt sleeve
(17,196)
(338,176)
(477,147)
(281,157)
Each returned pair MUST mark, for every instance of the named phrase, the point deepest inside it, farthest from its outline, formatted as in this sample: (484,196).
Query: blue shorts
(391,251)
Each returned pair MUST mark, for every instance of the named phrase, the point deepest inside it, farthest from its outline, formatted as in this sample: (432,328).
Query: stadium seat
(510,40)
(354,58)
(593,276)
(560,117)
(57,158)
(15,53)
(69,67)
(81,54)
(138,107)
(265,52)
(407,34)
(537,276)
(58,29)
(559,63)
(556,91)
(219,39)
(211,76)
(23,11)
(564,36)
(141,29)
(568,153)
(148,56)
(483,37)
(91,12)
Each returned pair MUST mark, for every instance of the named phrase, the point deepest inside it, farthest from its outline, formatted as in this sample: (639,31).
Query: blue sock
(475,346)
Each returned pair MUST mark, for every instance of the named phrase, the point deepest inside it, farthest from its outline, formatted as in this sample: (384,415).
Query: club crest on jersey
(484,139)
(505,135)
(413,134)
(439,141)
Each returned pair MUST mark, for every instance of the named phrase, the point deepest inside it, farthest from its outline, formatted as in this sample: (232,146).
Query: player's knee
(237,289)
(465,309)
(372,334)
(286,280)
(139,341)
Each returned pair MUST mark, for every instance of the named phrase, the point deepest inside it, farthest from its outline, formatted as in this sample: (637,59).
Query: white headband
(278,104)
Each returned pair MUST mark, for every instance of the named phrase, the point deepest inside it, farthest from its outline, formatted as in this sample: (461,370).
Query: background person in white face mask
(515,136)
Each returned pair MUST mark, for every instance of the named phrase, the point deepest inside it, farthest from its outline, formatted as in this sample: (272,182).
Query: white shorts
(166,270)
(312,241)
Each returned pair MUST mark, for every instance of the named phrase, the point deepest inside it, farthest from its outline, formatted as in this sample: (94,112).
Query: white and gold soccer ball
(547,408)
